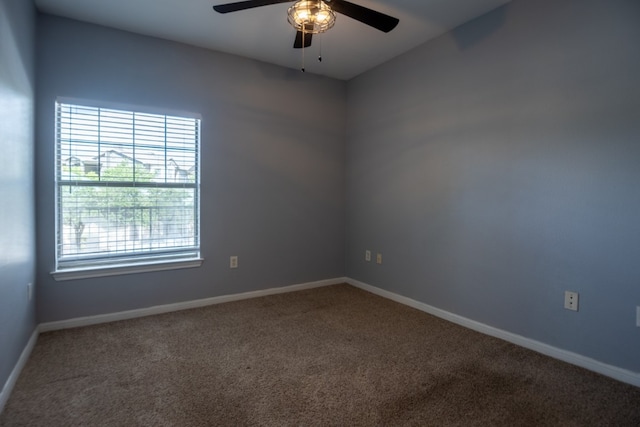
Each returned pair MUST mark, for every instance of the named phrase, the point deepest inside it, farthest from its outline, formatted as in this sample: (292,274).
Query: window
(127,187)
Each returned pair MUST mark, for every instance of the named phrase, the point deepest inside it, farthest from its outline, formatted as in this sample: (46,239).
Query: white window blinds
(127,187)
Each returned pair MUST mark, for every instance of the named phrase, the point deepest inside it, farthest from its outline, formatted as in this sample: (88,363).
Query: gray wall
(273,164)
(499,165)
(17,244)
(494,168)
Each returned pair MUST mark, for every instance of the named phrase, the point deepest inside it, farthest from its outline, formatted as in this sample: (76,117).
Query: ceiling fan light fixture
(311,16)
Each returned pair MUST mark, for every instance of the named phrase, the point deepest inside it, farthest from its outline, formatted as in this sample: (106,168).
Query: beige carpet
(334,356)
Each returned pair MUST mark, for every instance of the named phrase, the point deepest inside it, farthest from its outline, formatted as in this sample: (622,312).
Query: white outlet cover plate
(571,300)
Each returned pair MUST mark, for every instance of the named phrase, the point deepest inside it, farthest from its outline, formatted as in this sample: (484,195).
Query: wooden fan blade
(243,5)
(297,44)
(365,15)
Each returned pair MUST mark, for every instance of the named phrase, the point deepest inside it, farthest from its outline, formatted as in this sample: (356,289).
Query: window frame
(123,262)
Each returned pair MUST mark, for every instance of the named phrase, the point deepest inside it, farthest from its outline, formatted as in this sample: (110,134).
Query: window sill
(117,270)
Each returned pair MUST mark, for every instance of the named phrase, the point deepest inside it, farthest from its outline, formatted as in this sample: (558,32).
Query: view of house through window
(127,186)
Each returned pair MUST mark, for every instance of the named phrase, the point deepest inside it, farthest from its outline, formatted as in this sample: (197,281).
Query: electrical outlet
(367,255)
(29,291)
(379,259)
(233,262)
(571,300)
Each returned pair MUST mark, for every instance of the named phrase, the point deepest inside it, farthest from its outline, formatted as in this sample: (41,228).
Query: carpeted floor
(334,356)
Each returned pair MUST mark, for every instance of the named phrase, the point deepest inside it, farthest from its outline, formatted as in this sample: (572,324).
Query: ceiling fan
(310,17)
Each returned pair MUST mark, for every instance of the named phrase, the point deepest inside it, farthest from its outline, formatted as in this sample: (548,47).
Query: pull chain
(303,33)
(318,34)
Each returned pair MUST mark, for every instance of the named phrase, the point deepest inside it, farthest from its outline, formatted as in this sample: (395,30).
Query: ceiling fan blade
(297,44)
(365,15)
(242,5)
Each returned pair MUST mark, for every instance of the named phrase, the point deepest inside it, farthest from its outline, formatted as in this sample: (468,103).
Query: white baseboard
(614,372)
(22,360)
(159,309)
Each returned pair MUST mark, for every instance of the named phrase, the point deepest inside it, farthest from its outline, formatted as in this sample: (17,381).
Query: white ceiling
(348,49)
